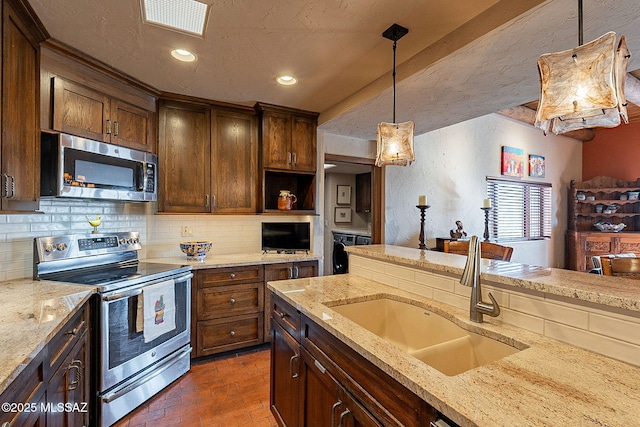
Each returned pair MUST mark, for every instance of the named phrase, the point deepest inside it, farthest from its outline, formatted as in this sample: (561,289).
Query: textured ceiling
(461,58)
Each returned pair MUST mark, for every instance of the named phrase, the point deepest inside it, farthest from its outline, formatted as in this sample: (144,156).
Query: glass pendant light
(583,87)
(395,140)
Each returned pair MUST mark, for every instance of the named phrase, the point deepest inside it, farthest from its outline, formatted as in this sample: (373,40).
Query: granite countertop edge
(235,260)
(23,336)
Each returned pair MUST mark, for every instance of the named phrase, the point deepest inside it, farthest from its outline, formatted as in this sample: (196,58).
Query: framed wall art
(344,195)
(512,161)
(342,215)
(536,166)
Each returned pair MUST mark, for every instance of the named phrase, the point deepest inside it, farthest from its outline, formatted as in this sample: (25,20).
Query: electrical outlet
(187,231)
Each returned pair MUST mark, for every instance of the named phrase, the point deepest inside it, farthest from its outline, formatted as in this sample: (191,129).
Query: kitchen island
(548,382)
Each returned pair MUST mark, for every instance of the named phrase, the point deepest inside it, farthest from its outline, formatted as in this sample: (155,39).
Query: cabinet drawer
(286,316)
(231,275)
(598,245)
(224,301)
(215,336)
(62,343)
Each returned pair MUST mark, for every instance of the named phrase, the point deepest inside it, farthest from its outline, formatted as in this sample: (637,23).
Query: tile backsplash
(56,217)
(160,234)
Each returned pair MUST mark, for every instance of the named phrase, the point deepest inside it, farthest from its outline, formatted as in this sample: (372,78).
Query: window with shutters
(520,210)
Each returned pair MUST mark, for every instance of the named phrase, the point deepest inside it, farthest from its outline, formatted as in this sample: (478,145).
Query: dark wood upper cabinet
(288,138)
(83,111)
(208,158)
(234,162)
(183,154)
(289,158)
(20,124)
(363,192)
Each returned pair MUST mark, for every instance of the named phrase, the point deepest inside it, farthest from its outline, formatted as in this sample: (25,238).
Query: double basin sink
(425,335)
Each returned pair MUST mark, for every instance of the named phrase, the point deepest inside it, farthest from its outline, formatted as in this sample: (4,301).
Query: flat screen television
(286,236)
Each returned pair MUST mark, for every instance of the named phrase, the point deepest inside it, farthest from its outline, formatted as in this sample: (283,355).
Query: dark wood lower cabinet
(67,402)
(54,389)
(317,380)
(285,365)
(326,403)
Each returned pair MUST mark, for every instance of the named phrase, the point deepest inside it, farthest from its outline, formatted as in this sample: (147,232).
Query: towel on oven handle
(158,310)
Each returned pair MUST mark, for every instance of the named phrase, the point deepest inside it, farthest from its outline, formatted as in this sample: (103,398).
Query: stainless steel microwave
(82,168)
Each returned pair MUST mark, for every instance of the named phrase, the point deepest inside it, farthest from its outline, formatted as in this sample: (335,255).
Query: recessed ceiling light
(286,80)
(183,55)
(189,16)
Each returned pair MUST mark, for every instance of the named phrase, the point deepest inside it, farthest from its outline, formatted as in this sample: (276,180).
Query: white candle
(486,203)
(422,200)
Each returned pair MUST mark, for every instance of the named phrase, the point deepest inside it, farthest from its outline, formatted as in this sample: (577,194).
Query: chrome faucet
(471,277)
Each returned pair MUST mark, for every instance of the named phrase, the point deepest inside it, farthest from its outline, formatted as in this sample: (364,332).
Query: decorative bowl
(196,250)
(610,227)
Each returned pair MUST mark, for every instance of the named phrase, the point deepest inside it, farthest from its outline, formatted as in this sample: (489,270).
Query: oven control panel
(54,248)
(98,243)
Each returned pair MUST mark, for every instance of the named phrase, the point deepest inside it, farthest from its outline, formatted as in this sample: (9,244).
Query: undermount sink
(431,338)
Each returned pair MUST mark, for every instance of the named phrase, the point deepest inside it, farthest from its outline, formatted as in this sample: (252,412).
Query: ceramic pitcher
(286,200)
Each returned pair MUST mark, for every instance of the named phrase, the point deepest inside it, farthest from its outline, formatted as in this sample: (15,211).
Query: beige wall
(451,168)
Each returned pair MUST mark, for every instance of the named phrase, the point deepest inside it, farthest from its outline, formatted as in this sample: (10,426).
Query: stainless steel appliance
(82,168)
(129,370)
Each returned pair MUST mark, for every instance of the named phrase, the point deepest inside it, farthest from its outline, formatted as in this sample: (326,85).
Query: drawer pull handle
(333,412)
(232,301)
(232,275)
(72,332)
(77,365)
(291,374)
(232,333)
(281,315)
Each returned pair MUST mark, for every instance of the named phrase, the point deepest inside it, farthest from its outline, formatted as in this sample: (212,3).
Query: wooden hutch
(583,239)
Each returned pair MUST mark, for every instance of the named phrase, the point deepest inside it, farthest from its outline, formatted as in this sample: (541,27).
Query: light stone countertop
(236,260)
(609,291)
(32,313)
(548,384)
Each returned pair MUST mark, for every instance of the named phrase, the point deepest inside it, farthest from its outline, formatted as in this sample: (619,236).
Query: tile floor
(230,390)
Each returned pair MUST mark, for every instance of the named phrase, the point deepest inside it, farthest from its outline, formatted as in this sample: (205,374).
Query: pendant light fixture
(395,140)
(583,87)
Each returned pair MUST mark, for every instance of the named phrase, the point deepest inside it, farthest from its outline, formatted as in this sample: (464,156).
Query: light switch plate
(187,231)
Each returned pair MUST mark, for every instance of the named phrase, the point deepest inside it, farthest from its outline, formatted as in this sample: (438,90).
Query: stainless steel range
(142,315)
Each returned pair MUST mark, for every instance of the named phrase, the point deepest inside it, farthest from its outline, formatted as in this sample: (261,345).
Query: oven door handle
(138,291)
(160,368)
(122,295)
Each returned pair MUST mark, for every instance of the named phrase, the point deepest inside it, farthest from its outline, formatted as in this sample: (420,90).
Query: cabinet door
(276,141)
(286,378)
(132,126)
(594,245)
(81,111)
(234,162)
(69,386)
(326,403)
(184,153)
(305,269)
(303,144)
(363,192)
(20,122)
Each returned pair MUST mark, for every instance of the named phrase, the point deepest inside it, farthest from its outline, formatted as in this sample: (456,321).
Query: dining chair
(487,249)
(621,267)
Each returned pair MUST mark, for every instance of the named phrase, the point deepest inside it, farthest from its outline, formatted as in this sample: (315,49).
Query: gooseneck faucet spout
(471,277)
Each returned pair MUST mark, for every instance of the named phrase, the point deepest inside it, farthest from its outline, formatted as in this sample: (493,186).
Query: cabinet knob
(232,333)
(232,301)
(232,275)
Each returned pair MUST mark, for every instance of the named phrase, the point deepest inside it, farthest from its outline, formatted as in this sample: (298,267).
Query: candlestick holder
(486,223)
(422,208)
